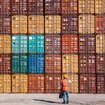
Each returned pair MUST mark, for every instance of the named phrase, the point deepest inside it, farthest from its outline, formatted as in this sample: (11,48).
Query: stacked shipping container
(40,40)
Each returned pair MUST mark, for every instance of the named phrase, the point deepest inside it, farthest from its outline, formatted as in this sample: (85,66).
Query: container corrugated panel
(19,44)
(5,63)
(19,7)
(53,63)
(70,63)
(87,63)
(100,23)
(5,44)
(87,83)
(5,83)
(52,44)
(99,6)
(52,6)
(69,44)
(100,43)
(86,43)
(36,24)
(35,7)
(53,24)
(19,63)
(86,6)
(5,7)
(36,63)
(100,63)
(5,24)
(19,83)
(36,83)
(19,24)
(86,24)
(69,24)
(69,6)
(73,83)
(101,83)
(36,44)
(52,83)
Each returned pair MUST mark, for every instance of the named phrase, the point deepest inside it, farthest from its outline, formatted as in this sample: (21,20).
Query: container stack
(87,68)
(40,40)
(52,45)
(100,44)
(70,43)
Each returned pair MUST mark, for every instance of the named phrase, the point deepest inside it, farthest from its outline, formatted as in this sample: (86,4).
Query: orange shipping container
(19,83)
(52,24)
(5,44)
(36,24)
(36,83)
(19,24)
(70,63)
(5,83)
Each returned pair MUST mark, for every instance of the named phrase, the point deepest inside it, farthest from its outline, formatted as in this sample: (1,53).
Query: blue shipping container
(36,63)
(19,44)
(36,44)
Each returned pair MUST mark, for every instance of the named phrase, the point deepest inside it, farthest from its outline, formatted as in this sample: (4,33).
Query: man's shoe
(64,103)
(67,102)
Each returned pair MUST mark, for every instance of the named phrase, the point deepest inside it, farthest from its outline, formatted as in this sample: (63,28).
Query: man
(64,84)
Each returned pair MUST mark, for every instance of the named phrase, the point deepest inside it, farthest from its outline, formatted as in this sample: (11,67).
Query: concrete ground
(51,99)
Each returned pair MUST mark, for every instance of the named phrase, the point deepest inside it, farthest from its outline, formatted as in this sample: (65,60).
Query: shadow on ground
(47,101)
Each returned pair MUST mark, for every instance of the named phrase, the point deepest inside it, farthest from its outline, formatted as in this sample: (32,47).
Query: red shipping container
(87,63)
(36,83)
(5,63)
(53,63)
(100,23)
(86,44)
(19,7)
(87,83)
(5,24)
(69,44)
(35,7)
(53,44)
(101,83)
(52,6)
(5,7)
(52,83)
(100,63)
(69,24)
(69,6)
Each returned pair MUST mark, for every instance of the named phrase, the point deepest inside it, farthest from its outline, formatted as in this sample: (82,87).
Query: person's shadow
(47,101)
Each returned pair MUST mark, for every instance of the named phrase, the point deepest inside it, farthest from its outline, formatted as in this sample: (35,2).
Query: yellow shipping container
(5,44)
(70,63)
(19,24)
(36,24)
(99,6)
(52,24)
(73,83)
(86,6)
(100,43)
(86,24)
(5,83)
(19,83)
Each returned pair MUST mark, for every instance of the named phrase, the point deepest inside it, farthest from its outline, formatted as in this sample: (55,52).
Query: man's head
(64,76)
